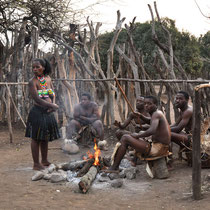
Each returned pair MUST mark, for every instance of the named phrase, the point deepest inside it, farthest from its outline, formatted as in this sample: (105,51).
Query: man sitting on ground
(85,113)
(159,131)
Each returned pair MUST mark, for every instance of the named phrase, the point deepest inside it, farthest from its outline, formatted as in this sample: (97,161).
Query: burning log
(73,165)
(87,179)
(86,167)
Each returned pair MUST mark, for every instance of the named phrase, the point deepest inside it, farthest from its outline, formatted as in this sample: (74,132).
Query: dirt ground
(17,191)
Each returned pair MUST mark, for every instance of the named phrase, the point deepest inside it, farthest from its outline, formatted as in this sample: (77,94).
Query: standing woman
(41,125)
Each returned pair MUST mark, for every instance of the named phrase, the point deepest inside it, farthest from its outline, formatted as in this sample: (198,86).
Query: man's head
(150,103)
(181,99)
(140,102)
(85,99)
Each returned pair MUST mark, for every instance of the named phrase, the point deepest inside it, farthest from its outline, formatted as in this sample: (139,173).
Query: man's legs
(180,139)
(127,140)
(120,132)
(98,126)
(72,128)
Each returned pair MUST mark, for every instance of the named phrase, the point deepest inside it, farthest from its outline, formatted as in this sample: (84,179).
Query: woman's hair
(45,63)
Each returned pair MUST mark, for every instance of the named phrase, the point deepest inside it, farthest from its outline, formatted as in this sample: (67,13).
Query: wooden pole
(196,150)
(123,93)
(9,92)
(9,118)
(125,97)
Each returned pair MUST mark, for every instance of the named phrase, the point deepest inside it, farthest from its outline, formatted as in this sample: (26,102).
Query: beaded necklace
(44,92)
(43,82)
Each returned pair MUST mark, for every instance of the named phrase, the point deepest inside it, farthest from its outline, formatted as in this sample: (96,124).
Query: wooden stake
(125,97)
(9,118)
(123,93)
(9,92)
(196,150)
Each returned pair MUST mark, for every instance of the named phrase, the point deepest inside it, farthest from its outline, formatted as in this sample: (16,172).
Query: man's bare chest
(87,112)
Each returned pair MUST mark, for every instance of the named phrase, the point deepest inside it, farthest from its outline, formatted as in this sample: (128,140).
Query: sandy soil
(17,191)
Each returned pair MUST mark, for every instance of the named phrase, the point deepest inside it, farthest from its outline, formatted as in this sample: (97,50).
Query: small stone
(207,178)
(113,176)
(51,168)
(117,183)
(47,176)
(130,173)
(125,163)
(39,175)
(56,177)
(70,148)
(102,145)
(122,174)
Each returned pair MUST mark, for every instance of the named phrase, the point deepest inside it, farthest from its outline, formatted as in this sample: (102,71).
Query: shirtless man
(85,113)
(159,131)
(181,129)
(138,122)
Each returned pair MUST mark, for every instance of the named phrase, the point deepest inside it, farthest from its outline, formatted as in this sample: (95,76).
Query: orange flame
(96,154)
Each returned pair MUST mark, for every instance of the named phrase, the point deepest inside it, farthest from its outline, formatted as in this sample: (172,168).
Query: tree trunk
(20,59)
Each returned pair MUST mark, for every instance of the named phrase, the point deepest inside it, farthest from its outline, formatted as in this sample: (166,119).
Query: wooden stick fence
(119,79)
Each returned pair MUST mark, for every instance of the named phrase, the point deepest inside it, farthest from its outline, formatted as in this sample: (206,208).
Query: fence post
(196,150)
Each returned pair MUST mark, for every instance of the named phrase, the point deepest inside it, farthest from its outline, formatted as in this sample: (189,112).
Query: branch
(201,10)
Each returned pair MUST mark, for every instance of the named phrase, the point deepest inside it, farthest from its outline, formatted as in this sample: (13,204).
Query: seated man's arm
(94,116)
(176,123)
(182,122)
(146,119)
(126,123)
(145,126)
(151,130)
(77,115)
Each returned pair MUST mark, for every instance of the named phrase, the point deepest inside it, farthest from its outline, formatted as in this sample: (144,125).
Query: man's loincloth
(155,149)
(158,149)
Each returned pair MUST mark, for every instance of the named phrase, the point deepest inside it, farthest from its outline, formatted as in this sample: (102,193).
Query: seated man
(182,128)
(139,123)
(85,113)
(159,131)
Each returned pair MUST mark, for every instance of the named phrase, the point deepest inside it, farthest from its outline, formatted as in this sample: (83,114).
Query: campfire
(89,171)
(94,156)
(83,171)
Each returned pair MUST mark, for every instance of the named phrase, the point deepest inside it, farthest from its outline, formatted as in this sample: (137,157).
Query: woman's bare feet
(38,167)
